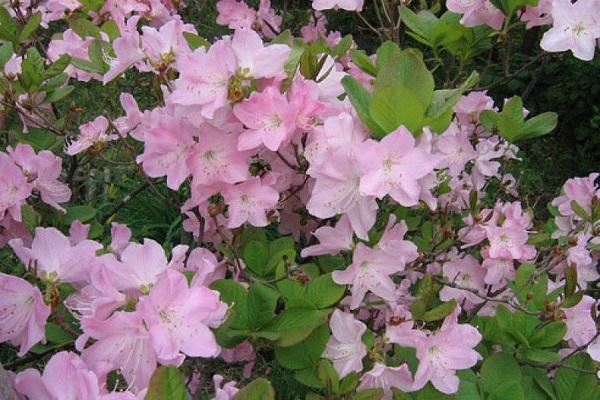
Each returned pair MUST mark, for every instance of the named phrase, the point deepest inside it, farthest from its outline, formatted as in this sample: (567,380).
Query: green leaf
(580,211)
(539,125)
(508,390)
(386,52)
(323,292)
(236,296)
(55,336)
(57,67)
(58,94)
(256,256)
(283,248)
(550,335)
(343,46)
(329,376)
(540,377)
(86,66)
(295,324)
(166,384)
(349,383)
(80,213)
(395,105)
(572,300)
(85,28)
(195,41)
(360,99)
(498,369)
(541,356)
(30,27)
(258,389)
(39,139)
(305,354)
(511,120)
(362,61)
(8,27)
(6,52)
(439,312)
(575,385)
(369,394)
(262,301)
(508,7)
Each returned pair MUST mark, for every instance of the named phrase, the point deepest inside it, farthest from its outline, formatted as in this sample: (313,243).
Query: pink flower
(249,201)
(394,167)
(498,270)
(441,353)
(509,241)
(456,150)
(179,317)
(345,348)
(580,190)
(74,46)
(235,14)
(575,27)
(581,327)
(65,377)
(242,353)
(139,266)
(469,107)
(350,5)
(215,159)
(386,378)
(91,133)
(224,391)
(255,59)
(23,313)
(167,146)
(54,256)
(205,266)
(465,272)
(162,45)
(269,118)
(336,190)
(132,121)
(537,15)
(477,12)
(123,343)
(14,188)
(204,78)
(369,272)
(127,50)
(392,245)
(332,240)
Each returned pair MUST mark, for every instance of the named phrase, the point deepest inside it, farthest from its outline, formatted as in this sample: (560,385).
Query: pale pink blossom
(332,240)
(249,202)
(90,133)
(14,188)
(23,313)
(465,272)
(349,5)
(345,348)
(179,318)
(477,12)
(269,119)
(575,27)
(224,391)
(235,14)
(384,377)
(441,353)
(255,59)
(581,327)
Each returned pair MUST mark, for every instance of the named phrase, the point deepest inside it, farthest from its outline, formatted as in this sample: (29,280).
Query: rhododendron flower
(179,317)
(138,267)
(65,377)
(336,191)
(537,15)
(23,313)
(122,343)
(167,146)
(509,241)
(575,27)
(256,60)
(477,12)
(235,14)
(162,45)
(456,150)
(249,201)
(332,240)
(465,272)
(14,188)
(55,258)
(368,273)
(581,327)
(392,245)
(441,353)
(386,378)
(215,159)
(350,5)
(91,133)
(224,391)
(132,121)
(74,46)
(498,270)
(345,348)
(469,107)
(394,167)
(127,49)
(269,118)
(580,190)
